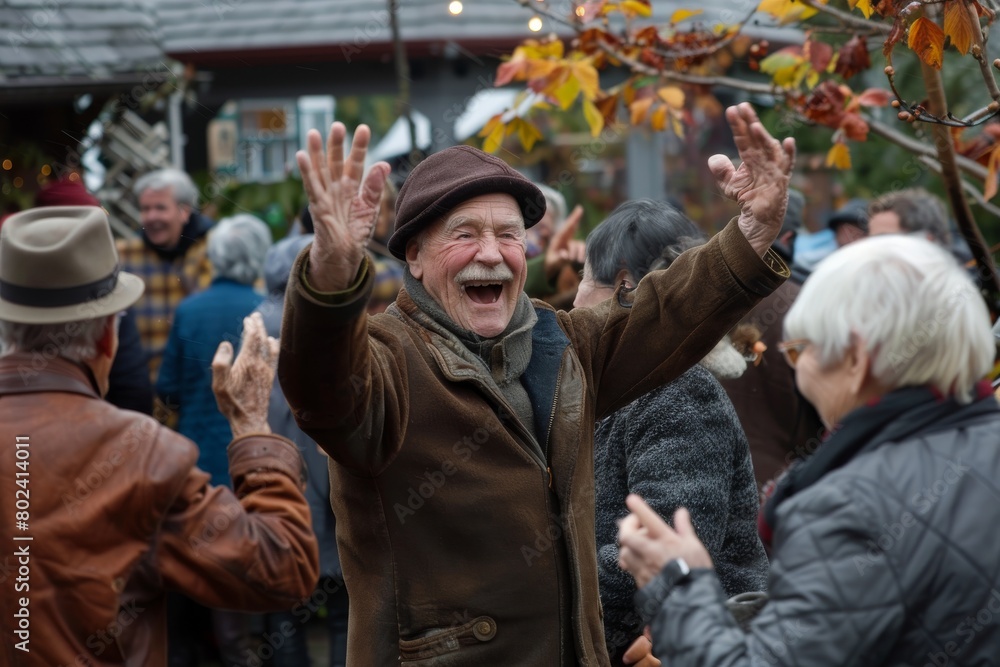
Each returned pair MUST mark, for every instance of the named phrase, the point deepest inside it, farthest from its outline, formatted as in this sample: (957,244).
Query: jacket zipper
(552,421)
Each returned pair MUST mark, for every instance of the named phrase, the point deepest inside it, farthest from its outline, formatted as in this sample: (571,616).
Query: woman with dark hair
(678,446)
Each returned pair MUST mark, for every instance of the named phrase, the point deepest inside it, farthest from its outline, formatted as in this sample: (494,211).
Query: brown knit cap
(448,178)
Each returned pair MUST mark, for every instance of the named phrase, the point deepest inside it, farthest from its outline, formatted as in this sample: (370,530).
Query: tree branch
(847,18)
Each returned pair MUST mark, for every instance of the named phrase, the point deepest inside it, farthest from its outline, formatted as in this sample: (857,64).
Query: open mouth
(483,293)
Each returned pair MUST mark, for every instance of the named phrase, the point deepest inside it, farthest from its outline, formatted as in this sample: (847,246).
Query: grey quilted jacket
(892,559)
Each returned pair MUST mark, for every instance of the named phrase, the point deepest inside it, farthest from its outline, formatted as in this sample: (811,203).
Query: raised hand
(760,184)
(563,248)
(243,389)
(647,542)
(344,208)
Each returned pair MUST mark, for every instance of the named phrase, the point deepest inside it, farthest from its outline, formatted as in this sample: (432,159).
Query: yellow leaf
(490,125)
(587,78)
(567,92)
(675,125)
(637,8)
(672,95)
(495,138)
(658,121)
(594,118)
(527,133)
(639,109)
(682,14)
(990,187)
(927,41)
(864,5)
(959,25)
(788,11)
(839,157)
(538,69)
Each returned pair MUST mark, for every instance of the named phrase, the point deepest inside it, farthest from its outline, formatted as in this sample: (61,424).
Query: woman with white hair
(236,248)
(883,545)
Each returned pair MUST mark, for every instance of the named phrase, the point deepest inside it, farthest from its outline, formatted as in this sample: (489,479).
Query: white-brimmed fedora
(59,264)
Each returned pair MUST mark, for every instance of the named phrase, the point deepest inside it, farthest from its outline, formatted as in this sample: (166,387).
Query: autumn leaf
(637,8)
(586,76)
(895,35)
(672,95)
(788,11)
(864,5)
(567,92)
(639,109)
(608,106)
(852,58)
(839,157)
(527,133)
(959,26)
(490,125)
(594,117)
(874,97)
(990,187)
(854,127)
(494,135)
(818,53)
(658,121)
(682,14)
(927,41)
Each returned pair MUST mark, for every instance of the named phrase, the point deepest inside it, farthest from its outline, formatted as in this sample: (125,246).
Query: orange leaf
(854,127)
(608,106)
(672,95)
(639,109)
(682,14)
(874,97)
(990,188)
(839,157)
(927,41)
(658,121)
(594,118)
(959,26)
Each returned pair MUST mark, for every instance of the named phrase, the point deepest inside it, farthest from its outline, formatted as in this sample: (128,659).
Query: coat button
(485,629)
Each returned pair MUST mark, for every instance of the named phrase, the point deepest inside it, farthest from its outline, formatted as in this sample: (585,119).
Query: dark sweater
(678,446)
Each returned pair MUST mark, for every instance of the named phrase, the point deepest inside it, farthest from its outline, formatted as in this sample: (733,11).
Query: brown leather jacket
(466,537)
(117,513)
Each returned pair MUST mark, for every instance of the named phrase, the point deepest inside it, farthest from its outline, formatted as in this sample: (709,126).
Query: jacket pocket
(441,642)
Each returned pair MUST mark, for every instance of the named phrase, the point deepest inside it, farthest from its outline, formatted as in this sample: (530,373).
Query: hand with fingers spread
(760,184)
(564,248)
(648,542)
(243,389)
(344,204)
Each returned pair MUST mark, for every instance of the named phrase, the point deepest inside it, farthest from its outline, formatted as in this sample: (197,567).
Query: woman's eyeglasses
(791,349)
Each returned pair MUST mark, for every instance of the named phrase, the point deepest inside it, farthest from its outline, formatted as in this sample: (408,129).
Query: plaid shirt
(167,283)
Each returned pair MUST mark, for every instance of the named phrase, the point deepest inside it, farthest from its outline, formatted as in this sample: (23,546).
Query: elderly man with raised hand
(460,422)
(115,513)
(884,548)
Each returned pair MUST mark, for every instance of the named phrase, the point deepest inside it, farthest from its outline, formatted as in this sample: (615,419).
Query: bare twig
(847,18)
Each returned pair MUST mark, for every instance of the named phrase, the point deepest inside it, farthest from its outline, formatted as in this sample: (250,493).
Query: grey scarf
(505,357)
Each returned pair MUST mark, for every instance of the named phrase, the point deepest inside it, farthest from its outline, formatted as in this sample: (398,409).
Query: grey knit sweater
(678,446)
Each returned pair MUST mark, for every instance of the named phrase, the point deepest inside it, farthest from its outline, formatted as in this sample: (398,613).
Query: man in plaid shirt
(170,256)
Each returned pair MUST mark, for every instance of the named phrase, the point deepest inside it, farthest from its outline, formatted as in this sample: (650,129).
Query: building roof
(53,43)
(243,31)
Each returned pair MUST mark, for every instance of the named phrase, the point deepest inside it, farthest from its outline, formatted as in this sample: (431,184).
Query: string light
(18,182)
(46,170)
(535,24)
(7,165)
(580,11)
(455,8)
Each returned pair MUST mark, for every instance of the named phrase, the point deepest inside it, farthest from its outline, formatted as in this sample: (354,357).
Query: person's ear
(626,277)
(106,343)
(413,257)
(859,364)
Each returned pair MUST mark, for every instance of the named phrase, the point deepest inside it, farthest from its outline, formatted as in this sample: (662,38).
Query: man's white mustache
(480,273)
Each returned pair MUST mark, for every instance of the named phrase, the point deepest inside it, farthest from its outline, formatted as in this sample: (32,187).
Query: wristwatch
(676,572)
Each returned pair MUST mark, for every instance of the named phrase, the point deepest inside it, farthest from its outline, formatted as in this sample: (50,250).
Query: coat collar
(27,373)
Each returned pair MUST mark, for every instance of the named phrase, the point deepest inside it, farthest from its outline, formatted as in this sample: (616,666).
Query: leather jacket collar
(28,373)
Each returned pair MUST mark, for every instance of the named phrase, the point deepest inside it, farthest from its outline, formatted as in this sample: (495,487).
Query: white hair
(237,247)
(175,180)
(555,202)
(913,307)
(76,341)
